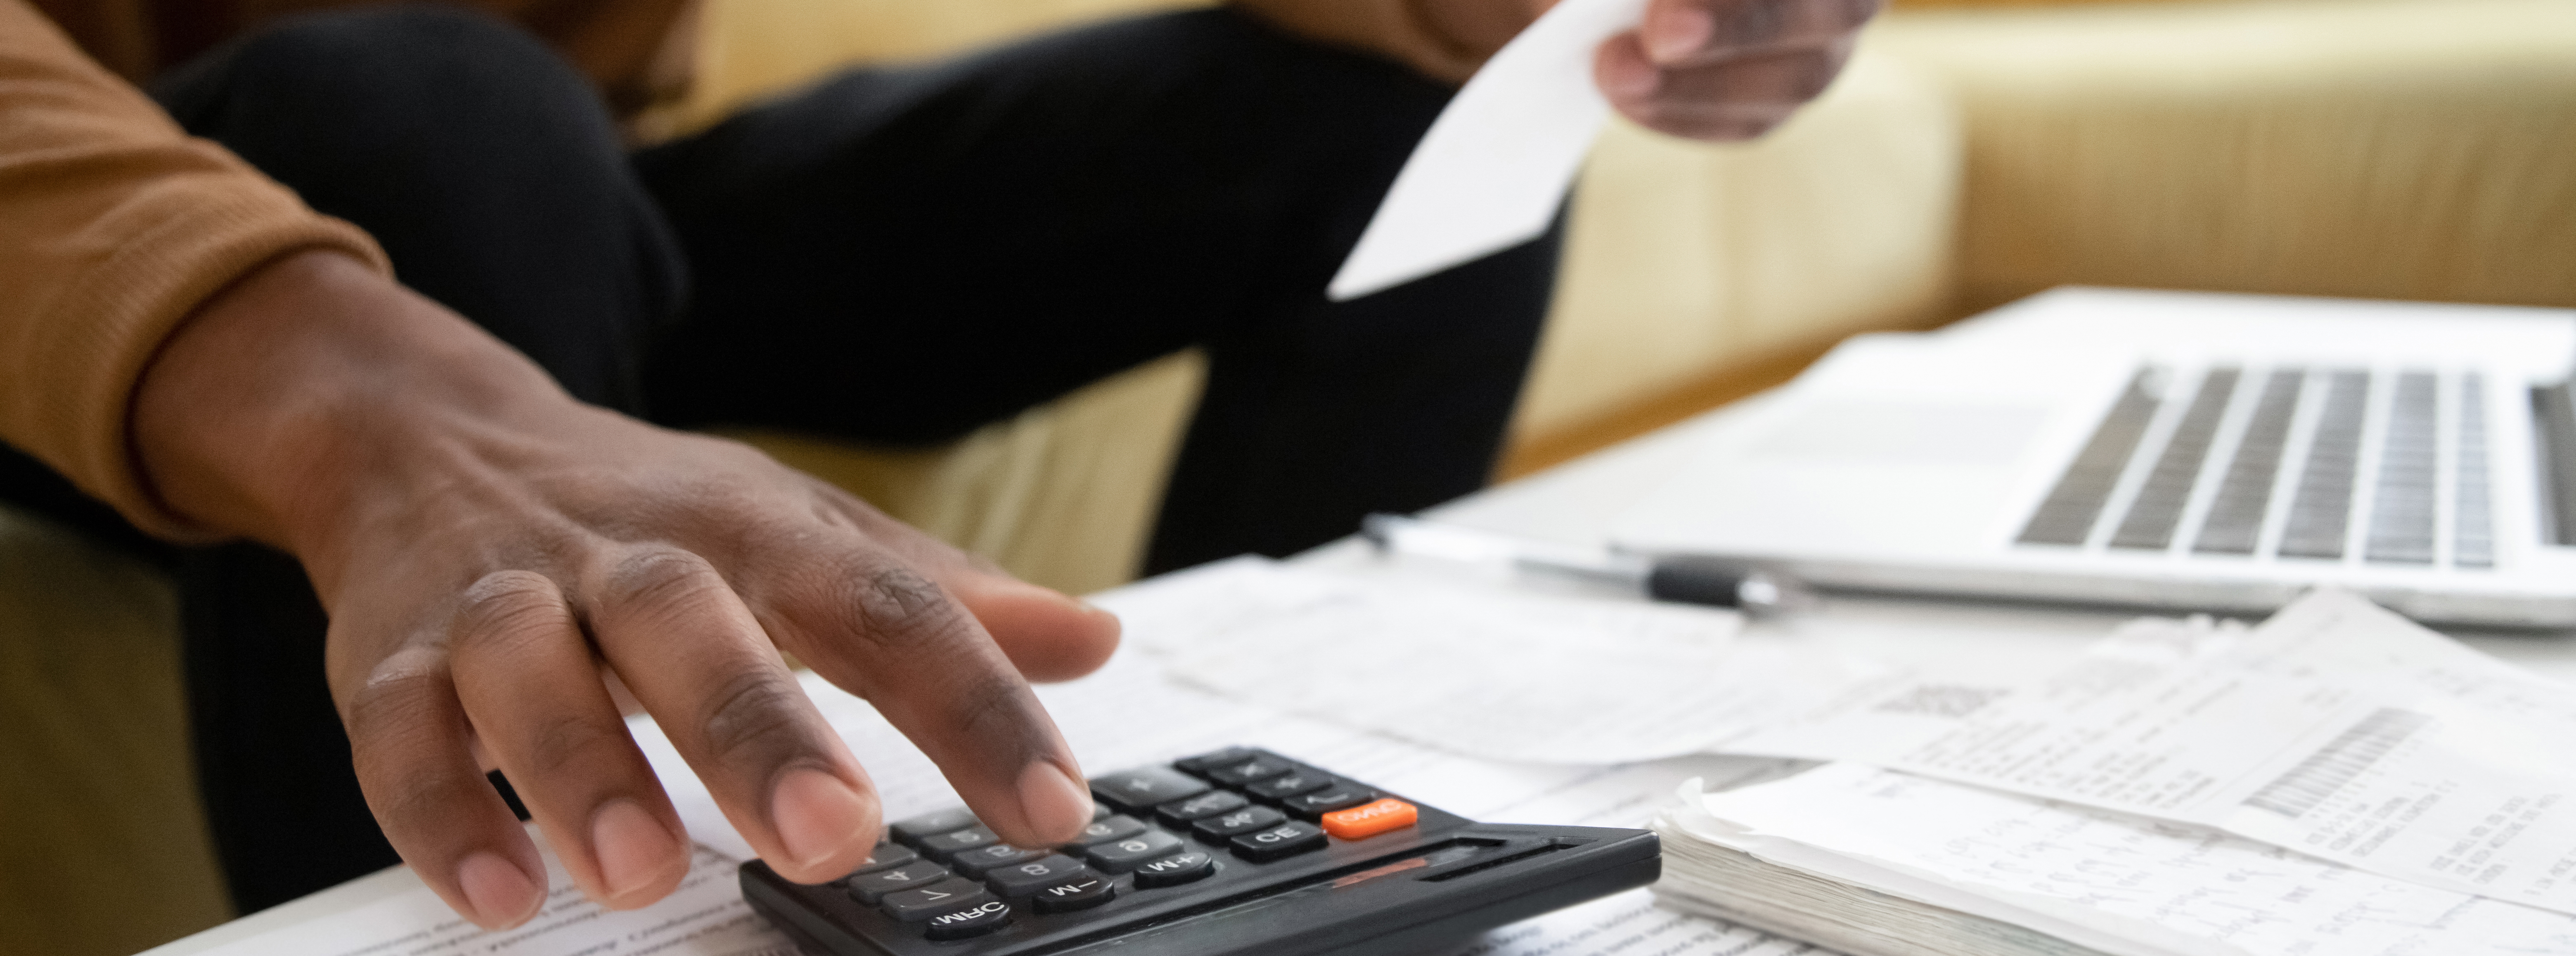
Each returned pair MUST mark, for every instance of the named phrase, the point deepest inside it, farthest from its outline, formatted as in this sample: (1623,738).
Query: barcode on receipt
(2327,770)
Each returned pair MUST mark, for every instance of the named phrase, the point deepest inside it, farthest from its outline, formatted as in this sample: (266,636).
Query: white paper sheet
(1496,164)
(704,917)
(2164,887)
(1481,672)
(2337,729)
(1130,714)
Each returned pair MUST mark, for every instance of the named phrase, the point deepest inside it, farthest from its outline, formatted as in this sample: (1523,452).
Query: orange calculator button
(1369,820)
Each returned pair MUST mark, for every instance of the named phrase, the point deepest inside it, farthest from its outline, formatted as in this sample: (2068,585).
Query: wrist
(276,408)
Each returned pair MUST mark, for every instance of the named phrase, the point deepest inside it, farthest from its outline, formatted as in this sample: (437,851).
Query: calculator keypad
(951,876)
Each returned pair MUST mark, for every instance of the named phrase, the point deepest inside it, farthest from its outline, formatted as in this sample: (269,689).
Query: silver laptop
(2172,450)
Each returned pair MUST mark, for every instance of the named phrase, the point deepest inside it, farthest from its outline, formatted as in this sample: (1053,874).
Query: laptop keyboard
(2271,463)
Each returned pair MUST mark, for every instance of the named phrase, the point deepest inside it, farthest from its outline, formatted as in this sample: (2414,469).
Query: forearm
(118,227)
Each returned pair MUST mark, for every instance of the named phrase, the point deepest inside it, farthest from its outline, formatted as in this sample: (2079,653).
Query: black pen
(1693,581)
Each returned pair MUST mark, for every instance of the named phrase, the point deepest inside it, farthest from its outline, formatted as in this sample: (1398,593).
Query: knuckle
(400,698)
(507,609)
(896,608)
(751,711)
(654,578)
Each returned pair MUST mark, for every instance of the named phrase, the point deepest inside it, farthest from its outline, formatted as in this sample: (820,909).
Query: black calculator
(1240,851)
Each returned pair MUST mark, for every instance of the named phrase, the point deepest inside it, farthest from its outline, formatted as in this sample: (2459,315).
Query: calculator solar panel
(1237,851)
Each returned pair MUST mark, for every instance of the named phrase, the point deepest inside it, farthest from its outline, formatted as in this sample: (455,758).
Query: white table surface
(1574,504)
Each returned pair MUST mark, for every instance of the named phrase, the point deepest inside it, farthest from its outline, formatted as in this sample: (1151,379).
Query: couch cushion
(2406,149)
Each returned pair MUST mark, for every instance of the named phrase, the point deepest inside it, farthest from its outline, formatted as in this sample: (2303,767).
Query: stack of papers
(1482,672)
(2336,781)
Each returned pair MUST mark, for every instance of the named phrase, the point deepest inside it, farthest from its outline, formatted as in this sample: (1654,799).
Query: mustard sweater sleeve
(1442,39)
(114,226)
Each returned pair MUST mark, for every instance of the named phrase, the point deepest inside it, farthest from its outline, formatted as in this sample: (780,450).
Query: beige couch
(2394,148)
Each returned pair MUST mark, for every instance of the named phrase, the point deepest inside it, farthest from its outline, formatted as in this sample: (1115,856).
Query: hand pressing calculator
(1240,851)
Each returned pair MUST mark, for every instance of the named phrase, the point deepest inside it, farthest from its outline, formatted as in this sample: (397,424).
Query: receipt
(705,916)
(2337,729)
(1481,672)
(2129,884)
(1496,164)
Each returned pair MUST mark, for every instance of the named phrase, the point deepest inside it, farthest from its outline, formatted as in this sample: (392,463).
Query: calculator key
(1098,810)
(1117,827)
(1283,786)
(973,864)
(1216,828)
(1242,772)
(946,896)
(874,886)
(1079,894)
(1179,813)
(1136,790)
(1018,881)
(1202,763)
(933,824)
(1327,800)
(983,918)
(1360,823)
(946,845)
(1175,870)
(886,857)
(1284,840)
(1124,855)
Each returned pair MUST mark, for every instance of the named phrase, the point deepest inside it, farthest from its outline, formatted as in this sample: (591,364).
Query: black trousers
(892,256)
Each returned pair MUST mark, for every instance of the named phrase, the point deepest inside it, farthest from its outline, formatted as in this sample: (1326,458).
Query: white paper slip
(2337,729)
(2113,882)
(1496,164)
(1129,714)
(1484,672)
(704,917)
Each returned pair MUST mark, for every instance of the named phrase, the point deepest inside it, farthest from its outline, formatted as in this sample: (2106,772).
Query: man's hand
(1727,69)
(496,557)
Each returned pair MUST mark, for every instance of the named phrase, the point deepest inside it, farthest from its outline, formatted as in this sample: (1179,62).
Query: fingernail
(1055,805)
(634,849)
(1679,32)
(500,892)
(817,815)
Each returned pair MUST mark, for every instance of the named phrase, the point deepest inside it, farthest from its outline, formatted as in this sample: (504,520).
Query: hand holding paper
(1495,166)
